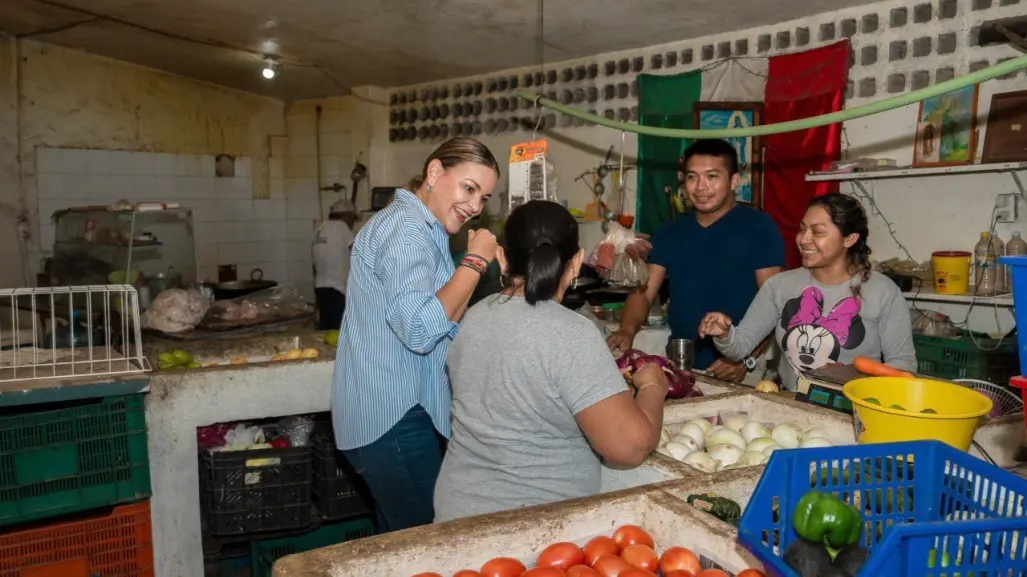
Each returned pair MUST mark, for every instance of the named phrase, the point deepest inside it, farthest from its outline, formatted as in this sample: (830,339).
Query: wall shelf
(927,295)
(910,171)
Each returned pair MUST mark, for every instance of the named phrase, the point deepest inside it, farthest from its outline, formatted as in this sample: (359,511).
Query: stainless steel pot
(238,288)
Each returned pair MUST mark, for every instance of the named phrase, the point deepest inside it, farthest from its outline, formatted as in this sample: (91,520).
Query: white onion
(814,443)
(678,450)
(815,432)
(786,435)
(752,458)
(695,432)
(735,421)
(725,437)
(663,451)
(701,461)
(703,424)
(725,454)
(686,441)
(760,444)
(665,436)
(769,450)
(753,430)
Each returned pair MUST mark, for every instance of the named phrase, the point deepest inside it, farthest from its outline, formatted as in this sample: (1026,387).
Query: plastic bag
(297,429)
(276,303)
(620,257)
(176,311)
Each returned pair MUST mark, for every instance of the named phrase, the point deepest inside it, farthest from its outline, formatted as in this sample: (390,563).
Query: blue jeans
(400,469)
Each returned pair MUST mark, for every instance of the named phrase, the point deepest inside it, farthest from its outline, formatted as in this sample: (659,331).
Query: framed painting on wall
(714,115)
(946,129)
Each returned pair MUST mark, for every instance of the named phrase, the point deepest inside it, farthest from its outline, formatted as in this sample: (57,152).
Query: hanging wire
(541,62)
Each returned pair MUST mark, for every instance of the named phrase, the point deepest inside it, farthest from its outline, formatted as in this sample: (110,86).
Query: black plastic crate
(253,491)
(338,491)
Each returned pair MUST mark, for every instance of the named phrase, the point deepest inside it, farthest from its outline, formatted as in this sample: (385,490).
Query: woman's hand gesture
(714,325)
(482,243)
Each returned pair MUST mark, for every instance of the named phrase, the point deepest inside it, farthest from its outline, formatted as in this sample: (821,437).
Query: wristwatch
(750,363)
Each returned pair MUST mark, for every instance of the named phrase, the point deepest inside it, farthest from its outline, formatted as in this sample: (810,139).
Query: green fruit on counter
(929,412)
(165,365)
(332,338)
(181,357)
(165,358)
(872,401)
(897,407)
(194,365)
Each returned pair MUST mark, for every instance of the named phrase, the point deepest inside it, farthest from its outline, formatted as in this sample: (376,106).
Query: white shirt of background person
(331,250)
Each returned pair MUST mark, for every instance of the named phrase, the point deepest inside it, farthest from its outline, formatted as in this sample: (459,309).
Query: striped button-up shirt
(395,332)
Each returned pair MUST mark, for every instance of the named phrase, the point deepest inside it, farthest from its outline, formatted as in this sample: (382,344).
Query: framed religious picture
(946,129)
(1005,138)
(714,115)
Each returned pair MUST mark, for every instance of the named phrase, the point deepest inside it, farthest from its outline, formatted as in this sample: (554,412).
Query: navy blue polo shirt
(713,269)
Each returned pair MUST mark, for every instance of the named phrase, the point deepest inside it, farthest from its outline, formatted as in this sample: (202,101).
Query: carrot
(876,369)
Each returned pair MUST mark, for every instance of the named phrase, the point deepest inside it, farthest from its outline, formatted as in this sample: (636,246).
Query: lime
(897,407)
(332,338)
(181,357)
(165,365)
(194,365)
(166,358)
(929,411)
(872,401)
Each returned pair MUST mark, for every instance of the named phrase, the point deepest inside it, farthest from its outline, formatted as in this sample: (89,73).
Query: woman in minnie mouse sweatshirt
(833,309)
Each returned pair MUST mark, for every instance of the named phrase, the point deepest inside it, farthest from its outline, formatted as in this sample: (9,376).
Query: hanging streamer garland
(989,73)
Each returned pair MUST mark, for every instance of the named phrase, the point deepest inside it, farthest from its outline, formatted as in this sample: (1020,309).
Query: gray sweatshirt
(817,324)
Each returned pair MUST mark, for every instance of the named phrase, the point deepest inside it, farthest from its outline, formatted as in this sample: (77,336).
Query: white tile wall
(231,227)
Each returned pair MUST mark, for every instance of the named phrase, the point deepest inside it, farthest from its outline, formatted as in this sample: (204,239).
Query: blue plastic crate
(954,504)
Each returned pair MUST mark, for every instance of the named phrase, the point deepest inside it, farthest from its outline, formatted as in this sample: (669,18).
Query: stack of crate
(74,489)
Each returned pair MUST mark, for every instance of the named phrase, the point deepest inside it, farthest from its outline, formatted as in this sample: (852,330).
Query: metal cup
(682,352)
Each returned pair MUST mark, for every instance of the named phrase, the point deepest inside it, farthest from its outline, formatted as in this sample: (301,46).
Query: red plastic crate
(115,545)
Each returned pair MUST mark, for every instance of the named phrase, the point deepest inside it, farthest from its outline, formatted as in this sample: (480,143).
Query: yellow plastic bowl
(958,410)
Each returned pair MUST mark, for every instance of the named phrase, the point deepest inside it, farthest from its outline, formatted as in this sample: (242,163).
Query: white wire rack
(70,332)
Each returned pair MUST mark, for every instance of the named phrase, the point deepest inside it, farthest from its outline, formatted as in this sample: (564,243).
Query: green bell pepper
(823,518)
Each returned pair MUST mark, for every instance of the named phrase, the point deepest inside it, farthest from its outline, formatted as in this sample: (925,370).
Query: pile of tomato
(629,553)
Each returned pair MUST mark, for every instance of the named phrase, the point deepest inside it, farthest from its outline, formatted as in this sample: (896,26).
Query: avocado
(873,401)
(897,407)
(809,559)
(929,412)
(850,560)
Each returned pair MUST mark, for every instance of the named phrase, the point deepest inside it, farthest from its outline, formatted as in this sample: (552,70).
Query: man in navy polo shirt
(715,258)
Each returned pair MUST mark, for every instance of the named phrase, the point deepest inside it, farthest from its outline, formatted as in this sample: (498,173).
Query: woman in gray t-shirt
(833,309)
(537,397)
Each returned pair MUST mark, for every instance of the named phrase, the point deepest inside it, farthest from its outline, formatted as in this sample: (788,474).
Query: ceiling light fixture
(271,67)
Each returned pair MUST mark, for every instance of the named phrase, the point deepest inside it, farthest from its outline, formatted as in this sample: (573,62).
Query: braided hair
(848,215)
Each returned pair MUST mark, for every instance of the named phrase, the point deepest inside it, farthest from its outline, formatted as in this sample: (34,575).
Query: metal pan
(238,288)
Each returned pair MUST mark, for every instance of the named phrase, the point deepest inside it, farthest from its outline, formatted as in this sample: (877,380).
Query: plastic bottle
(985,273)
(1015,247)
(998,248)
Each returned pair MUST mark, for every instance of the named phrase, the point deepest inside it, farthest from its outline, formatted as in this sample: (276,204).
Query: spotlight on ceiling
(271,67)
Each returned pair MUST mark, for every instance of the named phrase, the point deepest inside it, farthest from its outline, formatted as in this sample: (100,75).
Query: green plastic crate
(265,553)
(79,456)
(960,358)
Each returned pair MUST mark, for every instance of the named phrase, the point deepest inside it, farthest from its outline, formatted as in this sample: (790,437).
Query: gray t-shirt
(519,374)
(817,324)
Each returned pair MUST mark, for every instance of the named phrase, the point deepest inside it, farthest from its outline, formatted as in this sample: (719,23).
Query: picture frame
(1005,135)
(713,115)
(946,129)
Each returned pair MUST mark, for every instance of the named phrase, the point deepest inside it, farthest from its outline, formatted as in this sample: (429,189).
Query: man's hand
(726,370)
(620,341)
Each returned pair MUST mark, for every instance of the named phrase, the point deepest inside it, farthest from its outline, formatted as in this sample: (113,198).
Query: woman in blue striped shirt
(390,397)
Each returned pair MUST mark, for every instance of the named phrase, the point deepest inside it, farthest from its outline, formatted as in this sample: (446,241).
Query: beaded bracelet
(473,265)
(476,262)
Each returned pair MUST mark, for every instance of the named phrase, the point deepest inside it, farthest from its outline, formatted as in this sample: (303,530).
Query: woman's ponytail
(542,277)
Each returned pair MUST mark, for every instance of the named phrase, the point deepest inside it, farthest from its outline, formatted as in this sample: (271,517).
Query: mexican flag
(790,87)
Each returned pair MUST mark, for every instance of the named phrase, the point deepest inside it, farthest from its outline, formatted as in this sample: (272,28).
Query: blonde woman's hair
(459,150)
(414,183)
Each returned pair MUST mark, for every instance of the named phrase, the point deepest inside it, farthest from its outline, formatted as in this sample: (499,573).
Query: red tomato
(598,547)
(750,573)
(561,555)
(677,573)
(545,572)
(637,573)
(502,567)
(713,573)
(679,558)
(631,535)
(582,571)
(611,566)
(466,573)
(641,557)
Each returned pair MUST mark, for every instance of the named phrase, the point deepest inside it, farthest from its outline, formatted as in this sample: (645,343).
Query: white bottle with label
(985,275)
(998,248)
(1015,247)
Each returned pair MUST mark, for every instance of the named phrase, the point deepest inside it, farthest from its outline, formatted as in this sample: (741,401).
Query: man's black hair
(717,147)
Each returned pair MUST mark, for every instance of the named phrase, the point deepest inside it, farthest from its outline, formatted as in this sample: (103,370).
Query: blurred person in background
(332,244)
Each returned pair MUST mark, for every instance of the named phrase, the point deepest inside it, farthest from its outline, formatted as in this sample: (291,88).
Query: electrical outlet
(1006,208)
